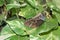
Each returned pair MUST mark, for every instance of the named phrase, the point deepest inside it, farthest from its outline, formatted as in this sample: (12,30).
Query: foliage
(15,28)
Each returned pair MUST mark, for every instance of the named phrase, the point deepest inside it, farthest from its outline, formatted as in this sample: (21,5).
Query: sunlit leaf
(32,3)
(57,15)
(15,37)
(17,26)
(27,12)
(57,3)
(20,9)
(3,37)
(10,6)
(6,30)
(46,26)
(53,6)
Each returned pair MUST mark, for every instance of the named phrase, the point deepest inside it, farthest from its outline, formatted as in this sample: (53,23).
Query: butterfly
(36,20)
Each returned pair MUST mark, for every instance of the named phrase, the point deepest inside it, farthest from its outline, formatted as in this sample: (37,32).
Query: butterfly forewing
(35,21)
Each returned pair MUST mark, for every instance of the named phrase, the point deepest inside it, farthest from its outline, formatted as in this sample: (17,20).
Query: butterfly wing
(35,21)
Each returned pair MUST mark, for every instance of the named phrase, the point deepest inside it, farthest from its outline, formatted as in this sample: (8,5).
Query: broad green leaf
(14,5)
(48,25)
(57,15)
(52,35)
(17,26)
(53,6)
(1,2)
(33,37)
(32,3)
(3,37)
(10,6)
(27,12)
(57,3)
(16,37)
(38,37)
(56,33)
(6,30)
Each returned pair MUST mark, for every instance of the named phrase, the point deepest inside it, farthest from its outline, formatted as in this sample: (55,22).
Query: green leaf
(15,37)
(33,37)
(56,33)
(1,2)
(32,3)
(8,34)
(53,6)
(6,30)
(57,15)
(10,6)
(50,24)
(3,37)
(27,12)
(57,3)
(17,26)
(52,35)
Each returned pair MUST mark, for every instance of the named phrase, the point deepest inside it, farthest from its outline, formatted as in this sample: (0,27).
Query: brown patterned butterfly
(35,21)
